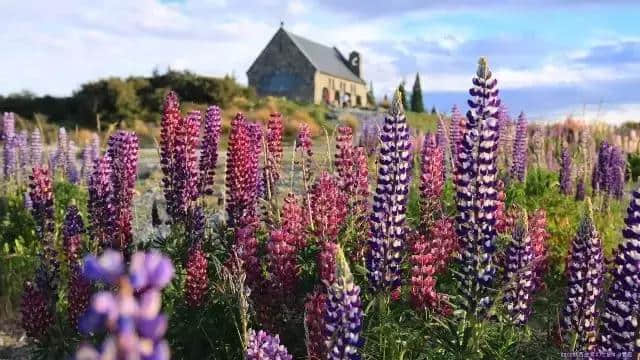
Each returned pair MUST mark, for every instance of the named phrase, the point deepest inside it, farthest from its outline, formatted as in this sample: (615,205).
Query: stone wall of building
(282,70)
(337,86)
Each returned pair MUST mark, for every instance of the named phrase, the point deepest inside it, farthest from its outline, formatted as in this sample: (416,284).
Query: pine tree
(416,96)
(403,95)
(371,99)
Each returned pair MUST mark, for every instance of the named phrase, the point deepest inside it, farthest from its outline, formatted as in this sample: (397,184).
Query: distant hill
(117,100)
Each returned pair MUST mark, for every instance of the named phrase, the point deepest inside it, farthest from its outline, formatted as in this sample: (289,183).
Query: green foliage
(403,95)
(416,96)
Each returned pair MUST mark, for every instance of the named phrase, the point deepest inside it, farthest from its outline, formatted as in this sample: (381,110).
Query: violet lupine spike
(23,152)
(390,201)
(303,141)
(9,157)
(585,272)
(600,179)
(71,173)
(314,325)
(274,150)
(343,320)
(431,179)
(476,183)
(170,123)
(344,160)
(36,147)
(283,263)
(41,194)
(209,149)
(504,123)
(72,231)
(8,126)
(101,203)
(35,309)
(566,172)
(123,152)
(79,294)
(520,149)
(619,320)
(197,282)
(245,249)
(59,157)
(186,171)
(519,274)
(616,173)
(90,154)
(242,177)
(263,346)
(131,316)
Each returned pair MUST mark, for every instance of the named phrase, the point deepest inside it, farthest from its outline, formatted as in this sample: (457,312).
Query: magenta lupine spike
(431,179)
(314,325)
(519,274)
(361,174)
(101,203)
(186,171)
(344,158)
(123,152)
(303,141)
(171,120)
(585,272)
(619,321)
(36,313)
(328,207)
(539,237)
(274,150)
(565,172)
(327,262)
(72,231)
(41,194)
(384,253)
(520,149)
(294,221)
(343,321)
(263,346)
(197,282)
(36,147)
(283,263)
(130,312)
(245,249)
(242,177)
(476,181)
(209,149)
(79,294)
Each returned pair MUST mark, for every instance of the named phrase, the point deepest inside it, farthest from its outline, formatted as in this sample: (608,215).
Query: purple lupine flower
(72,169)
(123,152)
(242,177)
(274,150)
(22,150)
(519,274)
(520,149)
(90,155)
(35,309)
(344,158)
(565,172)
(619,321)
(314,325)
(171,121)
(390,201)
(79,294)
(36,147)
(263,346)
(8,126)
(186,172)
(343,320)
(431,179)
(209,149)
(132,316)
(476,183)
(59,157)
(9,152)
(101,203)
(303,141)
(369,138)
(72,231)
(599,181)
(585,270)
(616,173)
(504,124)
(455,132)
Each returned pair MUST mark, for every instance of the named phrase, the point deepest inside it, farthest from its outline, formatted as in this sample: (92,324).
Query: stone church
(303,70)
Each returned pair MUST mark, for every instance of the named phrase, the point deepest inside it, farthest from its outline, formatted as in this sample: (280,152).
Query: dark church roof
(324,58)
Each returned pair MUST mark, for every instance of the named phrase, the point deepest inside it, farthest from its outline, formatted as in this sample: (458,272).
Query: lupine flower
(186,171)
(619,321)
(328,207)
(390,200)
(9,148)
(283,263)
(344,158)
(101,203)
(79,294)
(327,262)
(506,138)
(520,149)
(242,177)
(8,126)
(41,194)
(59,157)
(539,237)
(343,320)
(585,270)
(209,149)
(274,150)
(132,316)
(23,151)
(171,121)
(37,316)
(263,346)
(294,221)
(28,204)
(476,191)
(123,152)
(71,169)
(580,191)
(246,250)
(504,124)
(314,325)
(36,147)
(303,141)
(431,179)
(90,155)
(361,174)
(565,172)
(456,131)
(369,138)
(197,282)
(72,231)
(519,274)
(601,177)
(616,173)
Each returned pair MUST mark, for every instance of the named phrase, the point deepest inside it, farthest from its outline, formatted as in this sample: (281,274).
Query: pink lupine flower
(328,207)
(197,282)
(303,141)
(314,325)
(344,159)
(327,262)
(274,150)
(79,294)
(246,250)
(431,179)
(283,267)
(36,313)
(294,221)
(100,205)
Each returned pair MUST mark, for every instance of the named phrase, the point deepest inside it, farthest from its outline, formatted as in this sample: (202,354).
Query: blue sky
(552,58)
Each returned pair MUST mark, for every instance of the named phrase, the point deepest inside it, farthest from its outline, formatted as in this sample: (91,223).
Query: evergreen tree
(403,95)
(416,96)
(371,99)
(433,110)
